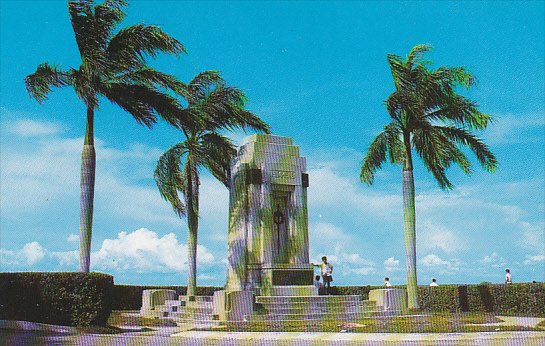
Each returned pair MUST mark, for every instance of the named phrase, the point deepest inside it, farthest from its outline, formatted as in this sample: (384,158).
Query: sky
(316,72)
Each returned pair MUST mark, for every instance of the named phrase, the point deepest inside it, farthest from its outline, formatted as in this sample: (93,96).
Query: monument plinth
(268,219)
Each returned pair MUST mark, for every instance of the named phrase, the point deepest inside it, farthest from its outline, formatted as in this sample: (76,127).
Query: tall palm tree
(429,116)
(113,65)
(214,107)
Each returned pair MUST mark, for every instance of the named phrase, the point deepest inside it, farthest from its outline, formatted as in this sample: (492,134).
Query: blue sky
(316,72)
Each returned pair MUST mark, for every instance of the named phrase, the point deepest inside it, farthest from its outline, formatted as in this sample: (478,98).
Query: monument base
(151,299)
(277,277)
(233,305)
(291,291)
(389,300)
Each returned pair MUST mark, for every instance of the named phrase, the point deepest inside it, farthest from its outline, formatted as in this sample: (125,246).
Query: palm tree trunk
(192,202)
(409,221)
(88,165)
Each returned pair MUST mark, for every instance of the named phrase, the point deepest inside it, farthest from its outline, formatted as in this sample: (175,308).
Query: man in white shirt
(433,283)
(508,278)
(387,282)
(327,271)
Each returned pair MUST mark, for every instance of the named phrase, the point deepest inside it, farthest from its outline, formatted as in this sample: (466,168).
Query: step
(287,310)
(317,304)
(303,299)
(198,299)
(320,316)
(184,316)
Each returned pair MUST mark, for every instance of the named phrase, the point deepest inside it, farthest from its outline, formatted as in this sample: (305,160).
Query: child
(318,285)
(433,283)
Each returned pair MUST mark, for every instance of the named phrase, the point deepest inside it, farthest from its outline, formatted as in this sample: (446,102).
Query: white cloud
(494,260)
(531,260)
(436,236)
(334,191)
(433,261)
(533,236)
(363,270)
(144,251)
(73,238)
(435,264)
(33,252)
(33,128)
(30,254)
(326,233)
(511,129)
(391,264)
(66,258)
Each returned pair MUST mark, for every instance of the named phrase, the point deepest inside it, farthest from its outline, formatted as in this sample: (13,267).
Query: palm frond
(434,154)
(150,77)
(107,16)
(205,81)
(417,53)
(218,153)
(145,103)
(46,76)
(92,33)
(386,142)
(81,16)
(461,112)
(129,47)
(483,153)
(170,179)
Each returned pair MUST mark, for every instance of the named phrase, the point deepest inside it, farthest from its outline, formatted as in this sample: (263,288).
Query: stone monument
(269,276)
(268,248)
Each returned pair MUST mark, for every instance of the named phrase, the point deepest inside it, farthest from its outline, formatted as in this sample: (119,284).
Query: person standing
(319,285)
(433,283)
(327,273)
(387,282)
(508,278)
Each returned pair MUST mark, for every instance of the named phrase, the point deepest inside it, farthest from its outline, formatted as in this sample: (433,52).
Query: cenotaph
(268,249)
(269,276)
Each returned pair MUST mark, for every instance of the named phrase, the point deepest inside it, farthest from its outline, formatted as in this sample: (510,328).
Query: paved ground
(19,333)
(20,338)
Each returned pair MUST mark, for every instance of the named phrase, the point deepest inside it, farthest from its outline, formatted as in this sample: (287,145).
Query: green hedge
(72,299)
(129,297)
(440,298)
(526,299)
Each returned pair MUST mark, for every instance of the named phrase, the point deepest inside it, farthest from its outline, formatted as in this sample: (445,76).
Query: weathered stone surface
(393,300)
(268,217)
(153,298)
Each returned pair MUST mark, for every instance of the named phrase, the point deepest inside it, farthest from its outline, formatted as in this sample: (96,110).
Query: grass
(432,323)
(541,325)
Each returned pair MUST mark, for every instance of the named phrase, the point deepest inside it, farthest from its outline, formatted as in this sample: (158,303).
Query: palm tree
(429,116)
(113,65)
(215,107)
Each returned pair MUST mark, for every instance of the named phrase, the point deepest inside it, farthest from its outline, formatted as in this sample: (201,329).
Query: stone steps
(318,304)
(308,299)
(304,308)
(330,309)
(309,316)
(273,308)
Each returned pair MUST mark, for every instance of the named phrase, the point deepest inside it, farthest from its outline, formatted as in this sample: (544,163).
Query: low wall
(129,297)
